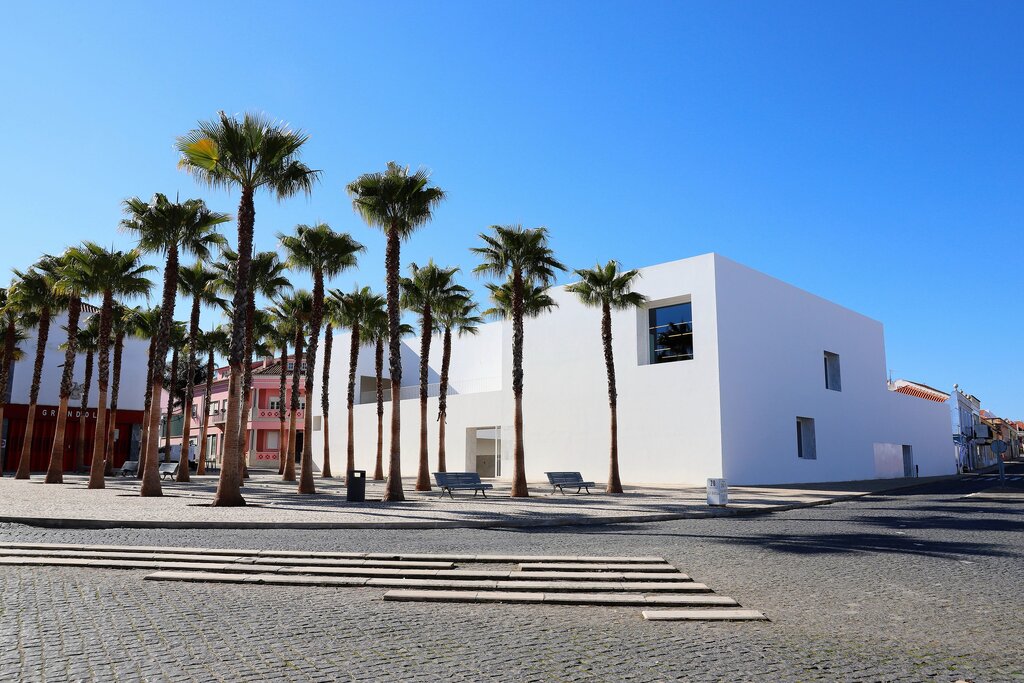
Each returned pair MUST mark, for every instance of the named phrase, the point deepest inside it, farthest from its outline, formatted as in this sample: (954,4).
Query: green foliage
(395,200)
(607,285)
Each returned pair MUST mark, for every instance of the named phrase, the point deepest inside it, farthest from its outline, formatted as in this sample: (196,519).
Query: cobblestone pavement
(271,501)
(921,586)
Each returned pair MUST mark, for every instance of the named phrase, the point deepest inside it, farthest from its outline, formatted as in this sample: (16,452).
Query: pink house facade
(263,418)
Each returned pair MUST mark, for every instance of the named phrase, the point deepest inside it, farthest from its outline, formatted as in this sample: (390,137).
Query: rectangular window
(275,403)
(805,447)
(302,403)
(271,440)
(833,380)
(670,333)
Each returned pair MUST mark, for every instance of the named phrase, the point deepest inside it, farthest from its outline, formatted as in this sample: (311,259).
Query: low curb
(75,523)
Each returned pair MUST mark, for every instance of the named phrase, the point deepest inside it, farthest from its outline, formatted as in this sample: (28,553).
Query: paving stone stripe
(547,566)
(176,557)
(613,599)
(705,615)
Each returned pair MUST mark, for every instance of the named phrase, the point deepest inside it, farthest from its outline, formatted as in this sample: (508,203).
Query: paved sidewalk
(275,504)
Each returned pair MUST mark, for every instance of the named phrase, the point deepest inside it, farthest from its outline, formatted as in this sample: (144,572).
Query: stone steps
(705,615)
(607,599)
(619,567)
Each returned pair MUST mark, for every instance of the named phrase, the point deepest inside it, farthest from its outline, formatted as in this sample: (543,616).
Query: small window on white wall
(833,379)
(805,446)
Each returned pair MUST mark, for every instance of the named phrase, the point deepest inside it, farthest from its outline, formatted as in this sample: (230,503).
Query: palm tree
(459,316)
(297,307)
(355,308)
(213,342)
(147,326)
(523,256)
(111,273)
(429,288)
(258,345)
(170,228)
(266,278)
(332,319)
(397,202)
(10,351)
(86,342)
(172,383)
(200,283)
(325,254)
(124,322)
(284,331)
(35,297)
(376,334)
(609,288)
(71,281)
(252,153)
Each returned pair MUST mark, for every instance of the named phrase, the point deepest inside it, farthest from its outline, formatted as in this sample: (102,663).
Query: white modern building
(726,372)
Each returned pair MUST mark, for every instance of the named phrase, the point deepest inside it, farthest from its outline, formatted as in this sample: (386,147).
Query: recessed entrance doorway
(483,451)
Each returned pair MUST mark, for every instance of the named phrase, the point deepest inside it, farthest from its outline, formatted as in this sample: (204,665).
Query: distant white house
(725,372)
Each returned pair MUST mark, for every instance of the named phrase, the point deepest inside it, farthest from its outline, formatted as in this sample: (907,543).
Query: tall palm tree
(297,307)
(356,308)
(86,343)
(125,322)
(609,288)
(258,346)
(457,316)
(430,288)
(283,333)
(35,297)
(10,347)
(71,281)
(266,278)
(332,319)
(173,384)
(111,273)
(172,229)
(213,342)
(325,254)
(523,256)
(147,326)
(200,283)
(376,333)
(251,154)
(397,202)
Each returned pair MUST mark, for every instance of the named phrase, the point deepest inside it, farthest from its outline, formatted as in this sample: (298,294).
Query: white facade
(133,369)
(731,411)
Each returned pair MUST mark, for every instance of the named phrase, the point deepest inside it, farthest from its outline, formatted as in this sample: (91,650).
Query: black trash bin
(355,484)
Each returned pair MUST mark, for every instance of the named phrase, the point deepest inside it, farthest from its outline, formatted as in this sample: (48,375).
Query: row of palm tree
(252,153)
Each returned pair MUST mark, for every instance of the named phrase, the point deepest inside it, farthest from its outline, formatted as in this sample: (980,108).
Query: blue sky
(871,153)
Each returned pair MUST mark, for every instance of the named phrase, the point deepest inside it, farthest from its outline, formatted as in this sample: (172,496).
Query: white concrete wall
(668,414)
(133,369)
(773,338)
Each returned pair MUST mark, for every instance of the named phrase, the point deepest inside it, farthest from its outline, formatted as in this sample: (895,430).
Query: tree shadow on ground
(967,522)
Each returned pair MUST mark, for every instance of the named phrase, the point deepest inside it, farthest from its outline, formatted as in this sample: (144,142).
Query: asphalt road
(920,586)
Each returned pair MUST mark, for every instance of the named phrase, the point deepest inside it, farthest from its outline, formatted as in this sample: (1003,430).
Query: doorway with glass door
(483,451)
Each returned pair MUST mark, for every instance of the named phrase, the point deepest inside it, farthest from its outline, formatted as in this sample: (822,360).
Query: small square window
(670,333)
(805,446)
(833,379)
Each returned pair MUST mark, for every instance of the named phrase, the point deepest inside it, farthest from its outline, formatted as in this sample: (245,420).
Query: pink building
(263,419)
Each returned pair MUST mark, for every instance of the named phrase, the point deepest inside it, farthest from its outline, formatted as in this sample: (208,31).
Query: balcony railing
(273,414)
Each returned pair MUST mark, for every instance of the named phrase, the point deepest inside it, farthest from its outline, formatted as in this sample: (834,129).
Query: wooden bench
(129,468)
(461,481)
(559,480)
(168,470)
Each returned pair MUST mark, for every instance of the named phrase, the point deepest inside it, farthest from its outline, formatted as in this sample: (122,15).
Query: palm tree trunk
(190,373)
(80,446)
(203,447)
(393,489)
(158,359)
(10,339)
(442,398)
(96,468)
(25,463)
(282,430)
(519,488)
(353,358)
(378,470)
(423,471)
(229,486)
(325,401)
(289,465)
(244,434)
(147,408)
(55,472)
(115,391)
(306,484)
(173,378)
(614,484)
